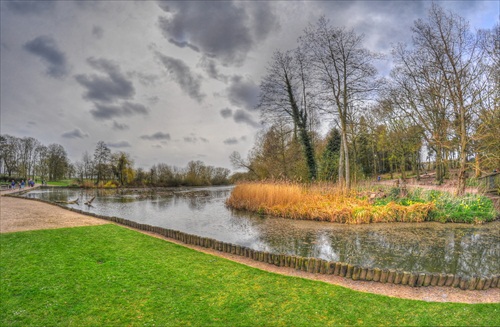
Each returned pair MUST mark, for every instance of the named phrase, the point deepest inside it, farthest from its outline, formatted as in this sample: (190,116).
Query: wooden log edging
(308,264)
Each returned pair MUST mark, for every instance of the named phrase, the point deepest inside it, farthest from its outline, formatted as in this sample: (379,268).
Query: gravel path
(17,214)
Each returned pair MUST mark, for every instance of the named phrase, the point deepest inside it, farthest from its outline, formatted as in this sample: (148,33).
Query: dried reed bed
(322,202)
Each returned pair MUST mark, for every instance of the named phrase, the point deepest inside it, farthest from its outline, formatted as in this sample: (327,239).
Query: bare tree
(444,69)
(285,96)
(345,74)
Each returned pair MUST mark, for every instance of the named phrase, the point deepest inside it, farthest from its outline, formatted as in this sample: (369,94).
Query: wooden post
(406,278)
(420,279)
(323,267)
(384,274)
(376,274)
(298,263)
(441,280)
(292,261)
(362,274)
(343,269)
(494,281)
(449,280)
(356,272)
(310,265)
(464,283)
(487,283)
(480,283)
(399,277)
(412,281)
(472,283)
(331,268)
(456,281)
(348,273)
(392,276)
(435,279)
(427,279)
(338,267)
(369,274)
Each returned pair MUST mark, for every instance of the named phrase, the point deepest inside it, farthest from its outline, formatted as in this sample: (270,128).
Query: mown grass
(326,202)
(111,276)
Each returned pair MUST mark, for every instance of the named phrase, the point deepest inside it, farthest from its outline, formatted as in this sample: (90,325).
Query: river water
(462,249)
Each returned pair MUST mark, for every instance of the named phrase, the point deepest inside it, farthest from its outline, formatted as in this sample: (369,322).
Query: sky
(169,81)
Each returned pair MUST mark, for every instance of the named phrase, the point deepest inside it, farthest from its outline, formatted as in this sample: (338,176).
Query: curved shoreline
(18,215)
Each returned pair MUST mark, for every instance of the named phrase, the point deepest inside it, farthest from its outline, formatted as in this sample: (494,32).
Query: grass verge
(111,276)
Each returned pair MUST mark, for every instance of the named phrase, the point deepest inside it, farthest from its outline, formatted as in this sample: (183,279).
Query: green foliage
(471,208)
(329,162)
(111,276)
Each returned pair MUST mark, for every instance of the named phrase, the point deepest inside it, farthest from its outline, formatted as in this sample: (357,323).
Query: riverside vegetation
(326,202)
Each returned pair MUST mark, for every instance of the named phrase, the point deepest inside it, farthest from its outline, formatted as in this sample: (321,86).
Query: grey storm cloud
(226,112)
(30,7)
(120,144)
(189,82)
(156,136)
(103,111)
(108,88)
(120,127)
(74,134)
(194,139)
(202,24)
(184,44)
(210,67)
(241,116)
(243,92)
(45,47)
(231,141)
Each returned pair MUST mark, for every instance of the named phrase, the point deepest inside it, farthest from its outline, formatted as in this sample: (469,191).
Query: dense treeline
(438,109)
(26,158)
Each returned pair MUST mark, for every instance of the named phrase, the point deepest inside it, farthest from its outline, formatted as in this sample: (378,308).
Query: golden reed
(322,202)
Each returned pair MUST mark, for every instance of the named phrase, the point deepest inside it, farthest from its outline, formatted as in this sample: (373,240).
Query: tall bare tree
(285,95)
(345,75)
(447,57)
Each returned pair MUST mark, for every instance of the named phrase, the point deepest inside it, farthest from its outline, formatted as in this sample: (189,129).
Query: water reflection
(461,249)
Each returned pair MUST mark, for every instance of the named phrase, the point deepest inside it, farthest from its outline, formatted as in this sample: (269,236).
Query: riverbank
(21,214)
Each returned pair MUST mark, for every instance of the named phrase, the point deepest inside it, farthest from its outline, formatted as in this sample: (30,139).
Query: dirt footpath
(21,215)
(17,214)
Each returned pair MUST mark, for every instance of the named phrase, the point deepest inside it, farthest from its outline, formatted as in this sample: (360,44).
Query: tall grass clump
(322,202)
(326,202)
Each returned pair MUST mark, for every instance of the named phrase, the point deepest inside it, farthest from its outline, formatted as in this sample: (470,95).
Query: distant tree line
(438,109)
(25,158)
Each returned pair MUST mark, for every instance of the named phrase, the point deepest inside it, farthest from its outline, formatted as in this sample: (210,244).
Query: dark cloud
(243,92)
(103,111)
(189,82)
(120,127)
(231,141)
(226,112)
(144,79)
(74,134)
(108,88)
(156,136)
(120,144)
(194,139)
(220,29)
(30,7)
(241,116)
(97,32)
(184,44)
(45,47)
(210,67)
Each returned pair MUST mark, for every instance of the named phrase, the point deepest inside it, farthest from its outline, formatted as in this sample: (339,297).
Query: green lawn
(111,276)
